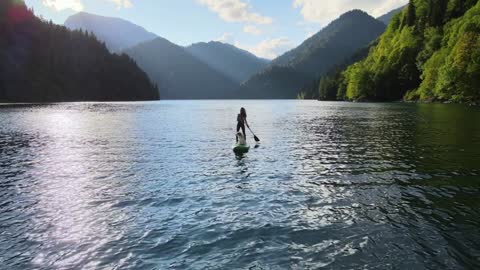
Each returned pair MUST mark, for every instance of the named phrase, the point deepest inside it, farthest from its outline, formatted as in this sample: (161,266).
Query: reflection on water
(156,185)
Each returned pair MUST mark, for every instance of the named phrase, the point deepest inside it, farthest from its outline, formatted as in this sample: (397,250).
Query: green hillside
(331,46)
(430,52)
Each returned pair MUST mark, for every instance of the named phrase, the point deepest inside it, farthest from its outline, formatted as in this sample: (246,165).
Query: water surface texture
(157,186)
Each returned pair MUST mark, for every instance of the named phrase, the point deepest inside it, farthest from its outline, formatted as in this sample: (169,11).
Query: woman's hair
(243,112)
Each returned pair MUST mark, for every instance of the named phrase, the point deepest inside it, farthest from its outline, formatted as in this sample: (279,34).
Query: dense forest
(326,88)
(43,62)
(429,52)
(317,55)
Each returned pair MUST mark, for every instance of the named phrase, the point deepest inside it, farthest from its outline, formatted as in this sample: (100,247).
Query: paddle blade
(256,138)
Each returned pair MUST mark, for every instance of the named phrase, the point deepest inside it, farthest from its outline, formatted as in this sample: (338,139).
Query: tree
(43,62)
(411,17)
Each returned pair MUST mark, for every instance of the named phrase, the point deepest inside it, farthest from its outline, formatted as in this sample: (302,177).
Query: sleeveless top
(240,119)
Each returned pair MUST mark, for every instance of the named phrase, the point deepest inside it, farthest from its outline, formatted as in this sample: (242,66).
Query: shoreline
(472,104)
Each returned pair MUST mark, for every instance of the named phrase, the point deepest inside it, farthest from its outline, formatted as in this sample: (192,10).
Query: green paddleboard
(241,148)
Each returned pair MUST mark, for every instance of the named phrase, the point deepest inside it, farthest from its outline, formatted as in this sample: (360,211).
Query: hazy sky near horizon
(266,28)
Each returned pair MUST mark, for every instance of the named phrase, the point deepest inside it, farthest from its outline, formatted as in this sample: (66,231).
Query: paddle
(254,136)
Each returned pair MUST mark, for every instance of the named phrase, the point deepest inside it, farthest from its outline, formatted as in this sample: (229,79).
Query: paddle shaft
(254,136)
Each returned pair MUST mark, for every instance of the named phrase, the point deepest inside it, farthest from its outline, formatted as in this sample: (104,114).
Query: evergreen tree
(411,17)
(431,55)
(43,62)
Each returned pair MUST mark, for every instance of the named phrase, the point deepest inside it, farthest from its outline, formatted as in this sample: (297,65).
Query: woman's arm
(246,123)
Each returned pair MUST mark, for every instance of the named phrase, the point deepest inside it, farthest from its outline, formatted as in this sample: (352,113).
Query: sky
(267,28)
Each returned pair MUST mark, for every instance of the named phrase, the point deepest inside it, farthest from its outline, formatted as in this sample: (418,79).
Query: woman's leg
(238,129)
(243,130)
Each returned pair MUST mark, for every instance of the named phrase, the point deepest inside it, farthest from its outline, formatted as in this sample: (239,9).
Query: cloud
(252,29)
(269,48)
(122,3)
(235,11)
(60,5)
(226,37)
(324,12)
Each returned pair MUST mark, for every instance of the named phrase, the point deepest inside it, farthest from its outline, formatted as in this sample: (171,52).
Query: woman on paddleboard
(242,121)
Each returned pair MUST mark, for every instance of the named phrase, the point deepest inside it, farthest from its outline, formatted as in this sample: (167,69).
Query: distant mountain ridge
(235,63)
(327,86)
(199,71)
(219,70)
(179,74)
(288,73)
(386,18)
(118,34)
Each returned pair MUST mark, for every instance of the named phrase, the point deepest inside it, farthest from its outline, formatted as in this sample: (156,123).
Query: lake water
(156,185)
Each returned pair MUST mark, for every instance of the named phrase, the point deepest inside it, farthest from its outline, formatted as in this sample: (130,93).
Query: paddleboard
(241,148)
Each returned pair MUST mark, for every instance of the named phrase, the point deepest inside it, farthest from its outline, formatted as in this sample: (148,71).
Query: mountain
(179,74)
(275,82)
(117,34)
(288,73)
(430,52)
(386,18)
(237,64)
(325,88)
(43,62)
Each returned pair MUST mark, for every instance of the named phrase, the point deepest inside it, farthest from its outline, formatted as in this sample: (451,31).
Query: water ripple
(155,185)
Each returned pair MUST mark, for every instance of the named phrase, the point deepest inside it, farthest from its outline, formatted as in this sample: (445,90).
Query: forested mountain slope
(179,74)
(43,62)
(325,88)
(430,52)
(317,55)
